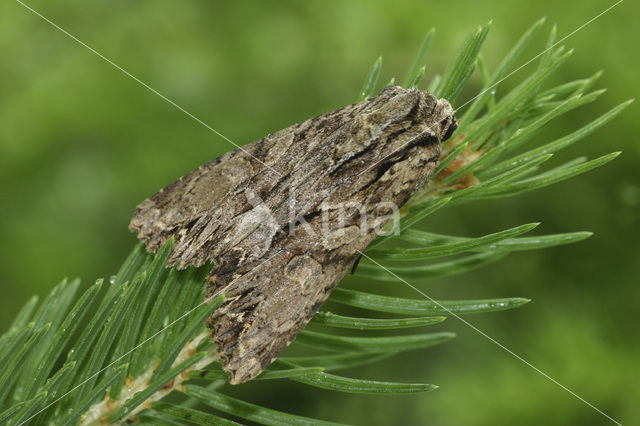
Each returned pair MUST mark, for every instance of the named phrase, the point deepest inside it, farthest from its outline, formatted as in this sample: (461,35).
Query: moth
(271,215)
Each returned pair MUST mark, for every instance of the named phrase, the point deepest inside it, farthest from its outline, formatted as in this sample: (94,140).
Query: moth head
(448,125)
(424,108)
(440,114)
(399,118)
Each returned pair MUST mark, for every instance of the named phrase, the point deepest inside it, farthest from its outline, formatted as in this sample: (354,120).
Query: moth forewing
(276,216)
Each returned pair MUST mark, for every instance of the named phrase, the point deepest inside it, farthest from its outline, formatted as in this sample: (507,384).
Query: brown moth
(266,215)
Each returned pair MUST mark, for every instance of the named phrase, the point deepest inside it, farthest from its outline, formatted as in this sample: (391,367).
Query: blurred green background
(81,144)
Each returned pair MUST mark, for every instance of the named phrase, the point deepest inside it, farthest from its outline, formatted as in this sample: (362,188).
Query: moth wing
(204,211)
(267,304)
(178,208)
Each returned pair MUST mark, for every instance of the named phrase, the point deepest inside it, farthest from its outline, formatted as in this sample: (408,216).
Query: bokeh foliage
(81,145)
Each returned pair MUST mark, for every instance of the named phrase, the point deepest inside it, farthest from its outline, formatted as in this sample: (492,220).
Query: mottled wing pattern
(201,208)
(272,216)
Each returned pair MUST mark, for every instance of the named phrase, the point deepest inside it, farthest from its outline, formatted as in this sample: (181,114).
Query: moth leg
(355,264)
